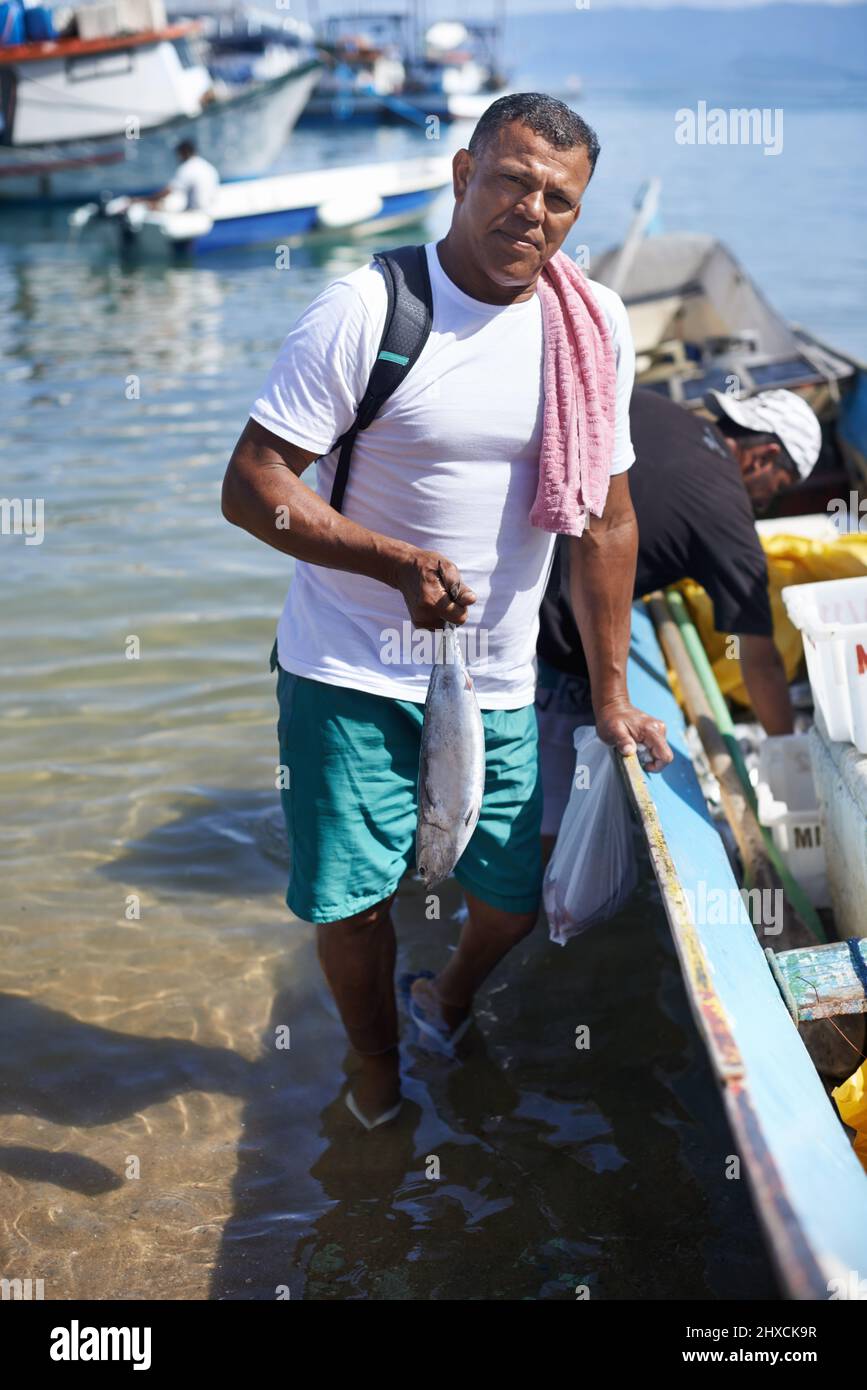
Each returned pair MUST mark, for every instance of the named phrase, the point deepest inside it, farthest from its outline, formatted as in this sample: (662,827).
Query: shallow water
(156,1142)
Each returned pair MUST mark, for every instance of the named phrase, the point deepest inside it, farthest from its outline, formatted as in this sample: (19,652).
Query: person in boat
(193,186)
(697,487)
(436,527)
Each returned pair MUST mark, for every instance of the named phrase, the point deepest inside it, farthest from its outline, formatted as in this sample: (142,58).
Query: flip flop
(445,1042)
(382,1119)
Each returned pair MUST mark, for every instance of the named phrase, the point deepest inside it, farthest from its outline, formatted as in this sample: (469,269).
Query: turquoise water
(151,1036)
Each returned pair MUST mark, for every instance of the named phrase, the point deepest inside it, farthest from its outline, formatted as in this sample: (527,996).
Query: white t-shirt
(451,463)
(198,181)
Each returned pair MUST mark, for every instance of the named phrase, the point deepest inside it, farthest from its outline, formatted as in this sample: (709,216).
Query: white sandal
(380,1119)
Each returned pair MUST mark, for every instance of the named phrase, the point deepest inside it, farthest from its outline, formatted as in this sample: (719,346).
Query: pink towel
(578,422)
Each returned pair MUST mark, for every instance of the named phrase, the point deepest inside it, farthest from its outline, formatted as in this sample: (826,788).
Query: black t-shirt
(695,521)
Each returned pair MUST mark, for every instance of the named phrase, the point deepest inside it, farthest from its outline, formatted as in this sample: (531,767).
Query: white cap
(782,413)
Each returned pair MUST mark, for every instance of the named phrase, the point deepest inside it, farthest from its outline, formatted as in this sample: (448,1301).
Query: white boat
(82,115)
(284,209)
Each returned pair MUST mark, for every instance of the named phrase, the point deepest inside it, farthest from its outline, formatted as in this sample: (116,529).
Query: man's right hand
(263,493)
(433,590)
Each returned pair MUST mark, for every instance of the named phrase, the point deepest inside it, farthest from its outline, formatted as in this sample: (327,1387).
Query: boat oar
(758,870)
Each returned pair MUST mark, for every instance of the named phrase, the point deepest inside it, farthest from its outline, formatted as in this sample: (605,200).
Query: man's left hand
(624,727)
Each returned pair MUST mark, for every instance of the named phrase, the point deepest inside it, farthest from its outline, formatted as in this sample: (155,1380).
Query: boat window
(7,105)
(101,65)
(184,52)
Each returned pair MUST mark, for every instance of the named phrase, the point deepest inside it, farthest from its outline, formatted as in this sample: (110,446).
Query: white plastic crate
(102,21)
(832,618)
(110,18)
(143,15)
(789,808)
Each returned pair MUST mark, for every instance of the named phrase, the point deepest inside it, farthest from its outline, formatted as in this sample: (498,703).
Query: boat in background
(458,73)
(700,323)
(80,114)
(284,209)
(364,72)
(382,69)
(247,44)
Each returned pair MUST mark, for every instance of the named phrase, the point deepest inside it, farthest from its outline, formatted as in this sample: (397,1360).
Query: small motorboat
(82,114)
(700,323)
(282,209)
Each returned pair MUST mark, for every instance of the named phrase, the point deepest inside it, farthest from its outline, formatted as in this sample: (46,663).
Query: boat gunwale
(45,50)
(212,109)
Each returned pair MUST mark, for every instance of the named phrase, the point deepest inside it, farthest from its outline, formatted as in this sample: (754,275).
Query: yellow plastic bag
(851,1098)
(791,560)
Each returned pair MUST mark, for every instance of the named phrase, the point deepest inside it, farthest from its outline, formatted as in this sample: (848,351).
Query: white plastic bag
(593,868)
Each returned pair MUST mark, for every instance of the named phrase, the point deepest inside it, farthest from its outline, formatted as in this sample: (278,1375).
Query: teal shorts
(351,801)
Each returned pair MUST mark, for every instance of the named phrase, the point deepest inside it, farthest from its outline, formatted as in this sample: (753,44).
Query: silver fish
(451,774)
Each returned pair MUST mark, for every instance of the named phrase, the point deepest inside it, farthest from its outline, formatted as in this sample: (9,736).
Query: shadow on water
(218,841)
(520,1173)
(529,1168)
(71,1073)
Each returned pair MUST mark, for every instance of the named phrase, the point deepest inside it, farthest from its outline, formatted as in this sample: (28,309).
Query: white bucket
(832,618)
(789,808)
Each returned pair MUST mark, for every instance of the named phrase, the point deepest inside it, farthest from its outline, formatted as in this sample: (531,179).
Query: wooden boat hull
(808,1186)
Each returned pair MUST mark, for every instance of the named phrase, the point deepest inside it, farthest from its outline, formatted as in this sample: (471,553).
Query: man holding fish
(511,427)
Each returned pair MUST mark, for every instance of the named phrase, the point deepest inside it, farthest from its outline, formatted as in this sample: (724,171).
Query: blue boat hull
(295,222)
(809,1188)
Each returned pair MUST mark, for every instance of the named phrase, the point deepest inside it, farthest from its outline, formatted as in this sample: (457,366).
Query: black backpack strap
(408,320)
